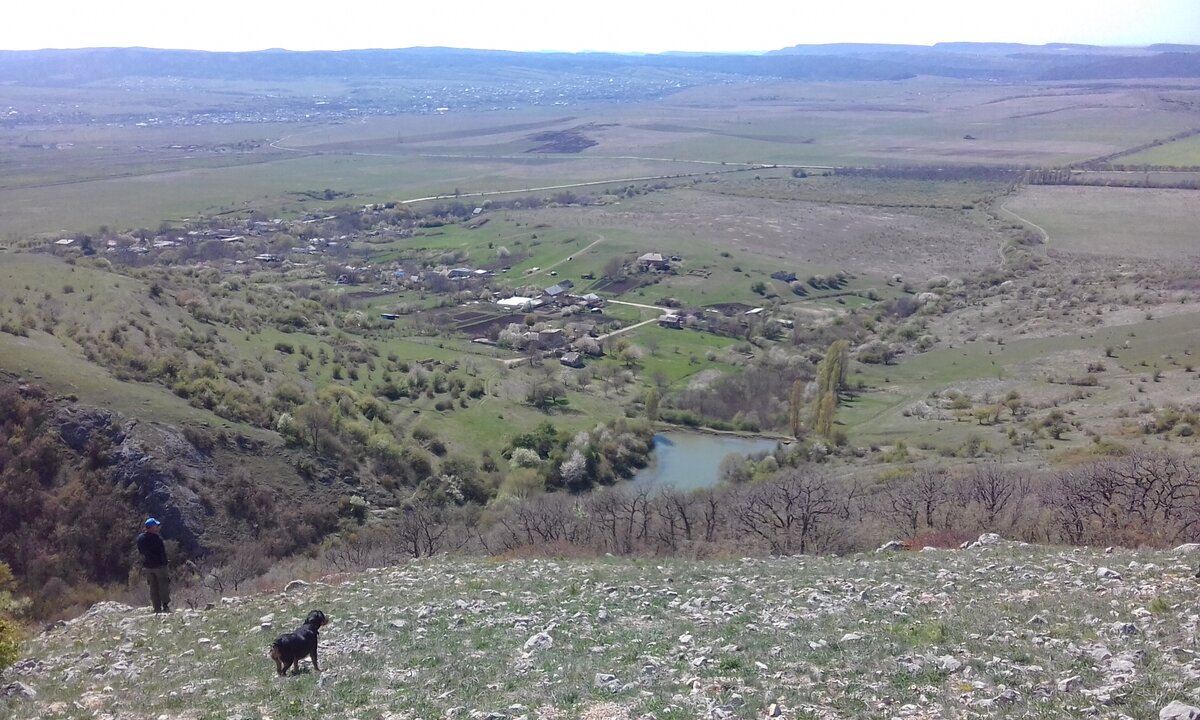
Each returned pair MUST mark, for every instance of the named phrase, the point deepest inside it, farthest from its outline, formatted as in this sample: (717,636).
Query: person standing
(154,566)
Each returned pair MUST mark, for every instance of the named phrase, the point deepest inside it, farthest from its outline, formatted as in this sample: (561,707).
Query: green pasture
(678,354)
(1180,153)
(490,422)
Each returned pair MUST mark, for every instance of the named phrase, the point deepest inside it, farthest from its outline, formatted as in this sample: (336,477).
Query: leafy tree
(316,419)
(652,400)
(614,268)
(795,406)
(831,378)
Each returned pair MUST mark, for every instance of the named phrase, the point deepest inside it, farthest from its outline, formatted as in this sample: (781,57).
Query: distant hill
(841,61)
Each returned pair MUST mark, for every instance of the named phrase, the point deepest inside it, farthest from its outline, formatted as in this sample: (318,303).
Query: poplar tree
(831,378)
(795,409)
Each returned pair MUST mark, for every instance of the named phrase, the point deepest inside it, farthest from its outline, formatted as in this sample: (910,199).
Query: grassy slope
(945,632)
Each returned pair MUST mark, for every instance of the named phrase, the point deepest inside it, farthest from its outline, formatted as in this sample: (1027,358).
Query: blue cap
(151,522)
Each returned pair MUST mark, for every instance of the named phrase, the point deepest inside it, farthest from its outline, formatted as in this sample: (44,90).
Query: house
(566,284)
(653,262)
(552,337)
(572,359)
(65,241)
(593,300)
(460,273)
(555,291)
(267,257)
(784,275)
(670,321)
(389,316)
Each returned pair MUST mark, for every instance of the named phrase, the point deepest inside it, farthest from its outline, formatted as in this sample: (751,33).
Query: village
(372,257)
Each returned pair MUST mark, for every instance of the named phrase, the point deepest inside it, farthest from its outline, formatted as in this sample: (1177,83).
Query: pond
(689,461)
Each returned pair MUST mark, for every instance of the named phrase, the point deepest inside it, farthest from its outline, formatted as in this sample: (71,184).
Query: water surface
(689,461)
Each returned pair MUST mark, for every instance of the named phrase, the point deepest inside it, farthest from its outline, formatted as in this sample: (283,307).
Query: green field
(1180,153)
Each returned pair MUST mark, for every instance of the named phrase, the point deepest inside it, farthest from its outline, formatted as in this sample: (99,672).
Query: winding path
(1045,235)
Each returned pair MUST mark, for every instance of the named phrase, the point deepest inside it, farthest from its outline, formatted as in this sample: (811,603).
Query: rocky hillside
(995,630)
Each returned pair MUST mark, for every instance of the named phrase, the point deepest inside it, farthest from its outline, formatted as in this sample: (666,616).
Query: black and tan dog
(291,648)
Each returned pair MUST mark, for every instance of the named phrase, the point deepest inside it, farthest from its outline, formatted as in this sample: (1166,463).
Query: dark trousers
(160,588)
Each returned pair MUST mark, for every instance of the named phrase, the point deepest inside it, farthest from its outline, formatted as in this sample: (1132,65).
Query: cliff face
(157,461)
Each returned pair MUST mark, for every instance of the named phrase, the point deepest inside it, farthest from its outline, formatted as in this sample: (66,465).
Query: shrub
(10,632)
(10,645)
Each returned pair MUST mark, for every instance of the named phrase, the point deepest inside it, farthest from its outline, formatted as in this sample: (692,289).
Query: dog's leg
(314,659)
(278,662)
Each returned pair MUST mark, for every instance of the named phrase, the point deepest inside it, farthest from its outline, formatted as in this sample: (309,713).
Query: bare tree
(421,529)
(789,512)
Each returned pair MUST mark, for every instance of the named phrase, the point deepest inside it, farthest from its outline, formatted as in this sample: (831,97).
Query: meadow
(1131,223)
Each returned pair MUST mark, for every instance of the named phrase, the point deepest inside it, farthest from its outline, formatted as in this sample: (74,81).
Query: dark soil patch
(572,140)
(617,287)
(480,327)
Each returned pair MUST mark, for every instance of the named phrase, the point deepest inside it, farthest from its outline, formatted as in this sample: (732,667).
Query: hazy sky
(615,25)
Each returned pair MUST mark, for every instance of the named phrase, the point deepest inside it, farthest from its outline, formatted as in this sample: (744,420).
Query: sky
(606,25)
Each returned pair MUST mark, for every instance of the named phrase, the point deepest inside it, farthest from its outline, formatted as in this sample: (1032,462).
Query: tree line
(1137,500)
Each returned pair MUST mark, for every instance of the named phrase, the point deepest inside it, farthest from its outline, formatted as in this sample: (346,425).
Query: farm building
(572,359)
(670,321)
(516,302)
(653,261)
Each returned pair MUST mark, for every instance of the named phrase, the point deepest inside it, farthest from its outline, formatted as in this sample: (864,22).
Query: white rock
(1178,711)
(267,619)
(890,546)
(294,585)
(1187,549)
(18,690)
(1070,684)
(949,664)
(988,539)
(1107,574)
(685,638)
(851,637)
(540,641)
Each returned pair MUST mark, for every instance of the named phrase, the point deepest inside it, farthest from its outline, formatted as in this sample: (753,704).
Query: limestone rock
(1178,711)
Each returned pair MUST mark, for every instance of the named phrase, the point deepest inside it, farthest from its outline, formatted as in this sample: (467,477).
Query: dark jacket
(154,552)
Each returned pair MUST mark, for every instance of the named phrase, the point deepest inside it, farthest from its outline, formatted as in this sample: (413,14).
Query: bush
(10,632)
(10,645)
